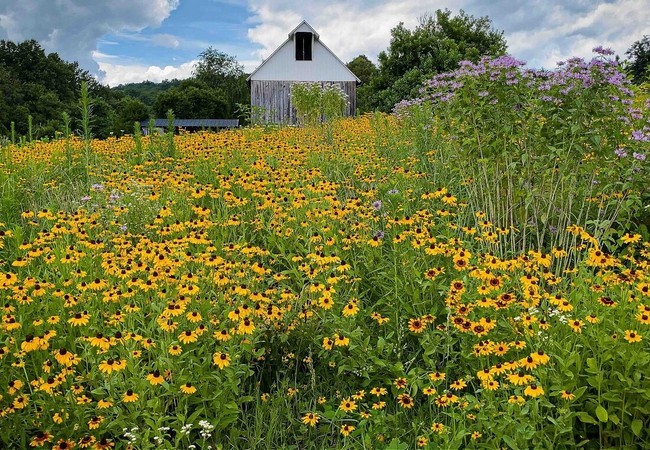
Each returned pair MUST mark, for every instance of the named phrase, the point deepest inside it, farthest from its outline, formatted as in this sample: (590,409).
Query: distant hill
(146,91)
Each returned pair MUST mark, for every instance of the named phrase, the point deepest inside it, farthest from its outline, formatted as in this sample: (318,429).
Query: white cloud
(116,74)
(540,32)
(72,28)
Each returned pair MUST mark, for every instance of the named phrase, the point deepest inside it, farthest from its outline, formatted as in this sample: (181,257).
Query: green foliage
(146,91)
(639,60)
(315,102)
(171,147)
(363,68)
(40,85)
(437,45)
(348,266)
(127,111)
(222,72)
(193,99)
(539,152)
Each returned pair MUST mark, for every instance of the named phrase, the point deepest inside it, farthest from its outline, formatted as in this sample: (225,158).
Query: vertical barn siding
(275,98)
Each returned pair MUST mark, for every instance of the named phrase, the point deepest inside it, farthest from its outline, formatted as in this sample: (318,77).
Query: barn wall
(275,97)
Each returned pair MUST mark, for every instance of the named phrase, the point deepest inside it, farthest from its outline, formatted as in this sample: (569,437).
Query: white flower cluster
(185,429)
(131,435)
(206,429)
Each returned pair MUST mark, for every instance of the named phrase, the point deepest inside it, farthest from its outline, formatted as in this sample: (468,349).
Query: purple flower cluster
(599,83)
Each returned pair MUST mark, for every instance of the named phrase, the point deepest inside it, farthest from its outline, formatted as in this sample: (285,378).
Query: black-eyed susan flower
(520,378)
(378,391)
(41,438)
(129,396)
(566,395)
(64,444)
(405,401)
(428,391)
(310,419)
(188,337)
(632,336)
(400,382)
(79,319)
(221,360)
(188,388)
(104,403)
(103,444)
(516,400)
(533,390)
(576,325)
(341,341)
(175,350)
(155,378)
(437,376)
(351,308)
(348,405)
(246,326)
(458,385)
(87,441)
(95,421)
(346,429)
(416,325)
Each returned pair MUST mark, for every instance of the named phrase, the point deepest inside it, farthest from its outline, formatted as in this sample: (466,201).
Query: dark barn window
(303,46)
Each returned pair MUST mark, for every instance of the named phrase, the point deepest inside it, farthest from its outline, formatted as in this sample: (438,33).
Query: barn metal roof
(197,123)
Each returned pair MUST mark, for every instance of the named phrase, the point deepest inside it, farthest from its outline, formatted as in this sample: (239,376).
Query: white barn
(302,57)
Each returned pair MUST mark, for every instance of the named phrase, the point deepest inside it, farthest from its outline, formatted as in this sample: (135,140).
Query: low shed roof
(198,123)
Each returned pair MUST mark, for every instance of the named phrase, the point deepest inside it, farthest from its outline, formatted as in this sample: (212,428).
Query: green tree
(129,110)
(438,44)
(363,68)
(219,70)
(33,83)
(192,99)
(146,91)
(639,63)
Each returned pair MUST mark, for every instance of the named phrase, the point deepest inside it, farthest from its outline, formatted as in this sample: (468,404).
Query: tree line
(36,88)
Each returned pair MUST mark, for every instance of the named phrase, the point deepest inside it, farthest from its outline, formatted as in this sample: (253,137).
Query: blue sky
(133,40)
(188,30)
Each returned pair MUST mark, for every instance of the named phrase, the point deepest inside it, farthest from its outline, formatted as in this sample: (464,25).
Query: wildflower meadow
(470,272)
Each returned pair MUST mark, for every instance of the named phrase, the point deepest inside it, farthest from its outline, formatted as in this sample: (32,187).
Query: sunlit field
(303,288)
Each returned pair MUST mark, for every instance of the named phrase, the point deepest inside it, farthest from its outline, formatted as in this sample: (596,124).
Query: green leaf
(636,426)
(511,442)
(395,444)
(601,413)
(578,392)
(585,418)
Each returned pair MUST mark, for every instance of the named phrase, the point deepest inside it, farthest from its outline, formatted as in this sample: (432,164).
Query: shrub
(540,150)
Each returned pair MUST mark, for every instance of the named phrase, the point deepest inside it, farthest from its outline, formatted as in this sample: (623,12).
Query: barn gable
(284,65)
(303,57)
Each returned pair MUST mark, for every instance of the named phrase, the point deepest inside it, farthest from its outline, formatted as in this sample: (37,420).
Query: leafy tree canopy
(438,44)
(639,62)
(193,99)
(43,86)
(363,68)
